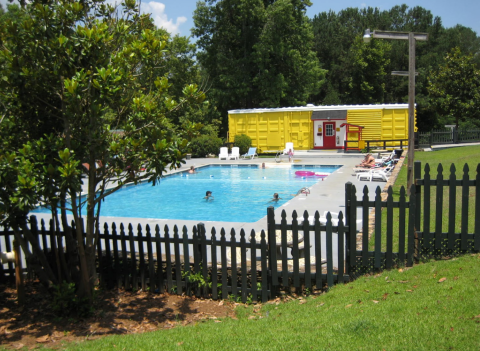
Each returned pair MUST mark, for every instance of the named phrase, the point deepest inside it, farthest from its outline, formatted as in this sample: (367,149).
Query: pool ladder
(278,156)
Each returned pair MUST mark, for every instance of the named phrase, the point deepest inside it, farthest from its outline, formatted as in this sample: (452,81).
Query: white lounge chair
(252,152)
(373,174)
(235,155)
(223,153)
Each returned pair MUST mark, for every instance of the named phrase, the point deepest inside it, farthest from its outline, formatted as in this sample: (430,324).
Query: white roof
(322,108)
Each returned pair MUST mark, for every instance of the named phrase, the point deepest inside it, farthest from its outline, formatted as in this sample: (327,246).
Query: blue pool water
(241,194)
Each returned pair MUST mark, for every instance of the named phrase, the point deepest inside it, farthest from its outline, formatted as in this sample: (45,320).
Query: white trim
(321,108)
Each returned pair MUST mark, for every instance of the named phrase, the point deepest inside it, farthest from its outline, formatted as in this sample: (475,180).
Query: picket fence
(294,253)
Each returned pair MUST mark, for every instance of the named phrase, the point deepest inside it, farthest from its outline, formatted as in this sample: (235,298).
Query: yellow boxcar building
(319,127)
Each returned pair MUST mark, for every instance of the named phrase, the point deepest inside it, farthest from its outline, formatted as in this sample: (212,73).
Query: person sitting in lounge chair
(368,162)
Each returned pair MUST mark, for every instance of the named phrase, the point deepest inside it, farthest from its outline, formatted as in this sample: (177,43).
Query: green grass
(458,156)
(405,309)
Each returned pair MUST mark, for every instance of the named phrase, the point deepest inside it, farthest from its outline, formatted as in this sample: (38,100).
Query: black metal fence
(371,145)
(303,252)
(386,144)
(447,136)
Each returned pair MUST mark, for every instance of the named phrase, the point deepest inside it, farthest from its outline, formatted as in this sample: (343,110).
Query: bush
(66,302)
(244,142)
(205,145)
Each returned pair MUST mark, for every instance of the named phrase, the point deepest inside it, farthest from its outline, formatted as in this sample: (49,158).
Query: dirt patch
(115,312)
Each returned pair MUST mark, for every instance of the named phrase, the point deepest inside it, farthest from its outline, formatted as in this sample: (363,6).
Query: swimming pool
(241,194)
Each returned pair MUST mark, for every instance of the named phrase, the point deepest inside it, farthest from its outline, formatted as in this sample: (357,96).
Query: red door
(329,135)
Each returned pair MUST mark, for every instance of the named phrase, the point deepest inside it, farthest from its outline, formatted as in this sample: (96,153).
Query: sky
(176,15)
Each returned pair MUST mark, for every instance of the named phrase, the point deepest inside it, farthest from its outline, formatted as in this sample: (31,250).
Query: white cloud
(157,9)
(364,5)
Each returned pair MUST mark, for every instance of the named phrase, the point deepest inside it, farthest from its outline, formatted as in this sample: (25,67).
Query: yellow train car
(319,127)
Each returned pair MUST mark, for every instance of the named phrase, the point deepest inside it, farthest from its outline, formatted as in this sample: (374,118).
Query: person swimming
(208,196)
(275,198)
(192,170)
(305,191)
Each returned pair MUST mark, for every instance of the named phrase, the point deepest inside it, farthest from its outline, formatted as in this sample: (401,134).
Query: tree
(72,74)
(227,30)
(350,79)
(455,86)
(368,73)
(335,35)
(256,53)
(182,69)
(288,71)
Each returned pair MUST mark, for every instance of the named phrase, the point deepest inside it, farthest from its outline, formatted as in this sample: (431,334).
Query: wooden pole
(411,109)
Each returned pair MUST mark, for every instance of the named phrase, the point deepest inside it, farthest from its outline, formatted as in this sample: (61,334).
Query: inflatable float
(305,173)
(311,174)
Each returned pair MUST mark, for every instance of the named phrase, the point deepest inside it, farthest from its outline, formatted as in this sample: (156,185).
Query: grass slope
(458,157)
(432,306)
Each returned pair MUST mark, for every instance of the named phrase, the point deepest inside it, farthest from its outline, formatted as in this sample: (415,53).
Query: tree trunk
(73,264)
(84,288)
(33,260)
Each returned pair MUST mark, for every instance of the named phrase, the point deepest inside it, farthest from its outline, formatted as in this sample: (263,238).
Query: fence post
(417,169)
(477,211)
(348,205)
(272,249)
(203,254)
(19,274)
(411,227)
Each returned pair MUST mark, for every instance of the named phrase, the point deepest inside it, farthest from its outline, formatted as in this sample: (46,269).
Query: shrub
(66,302)
(243,142)
(205,144)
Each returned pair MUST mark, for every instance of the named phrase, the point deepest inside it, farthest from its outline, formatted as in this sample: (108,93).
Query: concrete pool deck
(326,195)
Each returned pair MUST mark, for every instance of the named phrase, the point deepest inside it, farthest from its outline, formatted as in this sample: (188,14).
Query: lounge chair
(223,153)
(235,155)
(252,152)
(374,174)
(364,169)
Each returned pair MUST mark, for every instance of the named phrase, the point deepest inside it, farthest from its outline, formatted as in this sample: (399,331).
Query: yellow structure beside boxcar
(317,127)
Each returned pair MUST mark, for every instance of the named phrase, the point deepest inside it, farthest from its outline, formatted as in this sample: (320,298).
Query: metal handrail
(278,156)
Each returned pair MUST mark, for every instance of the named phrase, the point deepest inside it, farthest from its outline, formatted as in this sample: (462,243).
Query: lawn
(453,157)
(431,306)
